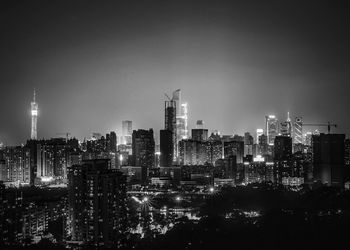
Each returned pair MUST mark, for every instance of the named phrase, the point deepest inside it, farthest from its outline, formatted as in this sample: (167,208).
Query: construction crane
(328,125)
(168,97)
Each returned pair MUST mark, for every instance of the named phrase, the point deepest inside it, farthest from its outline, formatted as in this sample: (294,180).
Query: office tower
(259,132)
(271,128)
(286,127)
(262,145)
(170,124)
(97,198)
(34,113)
(181,116)
(248,144)
(298,130)
(194,152)
(182,122)
(328,158)
(235,148)
(52,158)
(166,149)
(126,132)
(143,148)
(199,134)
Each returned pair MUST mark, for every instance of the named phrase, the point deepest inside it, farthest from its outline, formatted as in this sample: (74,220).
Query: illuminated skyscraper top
(34,114)
(271,128)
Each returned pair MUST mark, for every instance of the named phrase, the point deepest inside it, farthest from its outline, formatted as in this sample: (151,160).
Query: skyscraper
(259,132)
(298,130)
(170,124)
(126,132)
(286,127)
(181,117)
(248,144)
(166,149)
(271,128)
(34,114)
(143,149)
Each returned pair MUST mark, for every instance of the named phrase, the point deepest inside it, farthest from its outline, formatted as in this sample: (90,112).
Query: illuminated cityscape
(191,125)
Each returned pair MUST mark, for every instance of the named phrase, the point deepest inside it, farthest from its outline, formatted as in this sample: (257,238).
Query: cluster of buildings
(98,171)
(281,153)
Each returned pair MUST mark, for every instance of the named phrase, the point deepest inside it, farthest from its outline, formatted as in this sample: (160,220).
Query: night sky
(96,64)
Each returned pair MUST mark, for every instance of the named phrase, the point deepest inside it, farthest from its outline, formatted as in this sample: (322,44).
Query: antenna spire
(34,95)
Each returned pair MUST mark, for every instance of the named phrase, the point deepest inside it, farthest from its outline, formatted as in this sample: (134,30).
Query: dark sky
(95,64)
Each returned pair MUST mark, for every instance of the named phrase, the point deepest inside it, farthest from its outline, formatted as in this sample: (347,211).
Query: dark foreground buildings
(97,200)
(328,158)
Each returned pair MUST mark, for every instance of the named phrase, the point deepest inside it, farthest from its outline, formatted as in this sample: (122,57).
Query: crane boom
(167,97)
(328,125)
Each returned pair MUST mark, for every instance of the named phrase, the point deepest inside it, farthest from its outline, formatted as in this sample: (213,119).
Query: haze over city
(94,65)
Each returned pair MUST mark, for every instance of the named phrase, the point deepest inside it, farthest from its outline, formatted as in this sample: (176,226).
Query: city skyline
(174,124)
(119,130)
(91,63)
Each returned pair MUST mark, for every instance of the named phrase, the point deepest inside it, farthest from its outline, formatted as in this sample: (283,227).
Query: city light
(46,178)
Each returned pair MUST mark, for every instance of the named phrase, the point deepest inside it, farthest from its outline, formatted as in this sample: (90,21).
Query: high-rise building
(286,127)
(259,132)
(298,130)
(52,158)
(34,114)
(113,142)
(15,165)
(248,144)
(166,149)
(271,128)
(143,149)
(97,198)
(126,132)
(283,148)
(235,148)
(194,152)
(328,158)
(199,134)
(215,151)
(181,116)
(170,124)
(182,122)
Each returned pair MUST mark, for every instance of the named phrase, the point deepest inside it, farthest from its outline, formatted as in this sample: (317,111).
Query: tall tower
(170,124)
(34,113)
